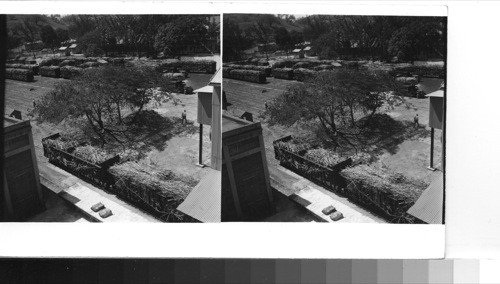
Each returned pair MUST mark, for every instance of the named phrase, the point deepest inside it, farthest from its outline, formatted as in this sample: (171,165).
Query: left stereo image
(111,118)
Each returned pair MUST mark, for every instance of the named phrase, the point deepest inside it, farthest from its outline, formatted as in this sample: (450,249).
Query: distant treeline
(98,35)
(339,37)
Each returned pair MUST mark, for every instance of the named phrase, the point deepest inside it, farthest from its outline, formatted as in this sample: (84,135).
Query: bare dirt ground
(410,157)
(179,153)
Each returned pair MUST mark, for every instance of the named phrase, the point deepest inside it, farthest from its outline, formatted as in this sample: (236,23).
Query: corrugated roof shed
(429,207)
(438,94)
(217,78)
(206,89)
(204,201)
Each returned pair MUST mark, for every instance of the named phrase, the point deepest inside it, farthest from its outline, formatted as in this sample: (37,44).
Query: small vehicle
(175,76)
(415,92)
(186,73)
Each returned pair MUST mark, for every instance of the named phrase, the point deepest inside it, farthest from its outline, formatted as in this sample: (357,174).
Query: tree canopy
(332,37)
(234,41)
(340,102)
(100,34)
(99,96)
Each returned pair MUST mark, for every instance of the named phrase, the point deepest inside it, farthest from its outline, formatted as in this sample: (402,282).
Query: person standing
(184,117)
(415,121)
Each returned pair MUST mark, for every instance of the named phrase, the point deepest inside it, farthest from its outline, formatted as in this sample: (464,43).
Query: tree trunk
(330,132)
(119,112)
(96,131)
(112,135)
(141,106)
(351,112)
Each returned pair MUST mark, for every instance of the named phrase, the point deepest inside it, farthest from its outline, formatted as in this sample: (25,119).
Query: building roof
(217,78)
(8,121)
(307,48)
(234,126)
(230,122)
(12,123)
(206,89)
(204,201)
(429,207)
(251,50)
(437,94)
(74,45)
(296,50)
(62,48)
(266,44)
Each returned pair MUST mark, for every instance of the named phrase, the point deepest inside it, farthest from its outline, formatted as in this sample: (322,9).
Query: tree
(99,95)
(416,38)
(316,25)
(62,35)
(340,102)
(168,39)
(138,33)
(92,44)
(79,25)
(283,39)
(49,37)
(326,46)
(410,36)
(234,41)
(262,31)
(296,37)
(174,36)
(30,28)
(14,36)
(288,18)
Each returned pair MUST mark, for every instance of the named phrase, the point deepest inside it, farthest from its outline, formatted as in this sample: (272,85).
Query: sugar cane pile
(323,157)
(19,74)
(302,74)
(61,144)
(31,67)
(68,72)
(50,71)
(248,75)
(159,189)
(292,146)
(283,73)
(91,154)
(383,189)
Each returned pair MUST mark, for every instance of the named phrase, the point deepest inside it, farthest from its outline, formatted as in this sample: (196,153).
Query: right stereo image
(333,118)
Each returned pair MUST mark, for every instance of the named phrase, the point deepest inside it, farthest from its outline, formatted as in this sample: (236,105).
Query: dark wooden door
(21,183)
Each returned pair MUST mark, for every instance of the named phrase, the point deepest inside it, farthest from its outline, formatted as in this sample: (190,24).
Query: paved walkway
(315,198)
(83,195)
(319,201)
(84,198)
(288,210)
(58,210)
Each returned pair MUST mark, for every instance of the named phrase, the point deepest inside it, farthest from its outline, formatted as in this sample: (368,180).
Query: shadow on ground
(380,134)
(142,133)
(383,133)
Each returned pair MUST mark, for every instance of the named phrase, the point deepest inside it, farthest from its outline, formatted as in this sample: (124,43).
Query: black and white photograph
(229,130)
(111,118)
(333,118)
